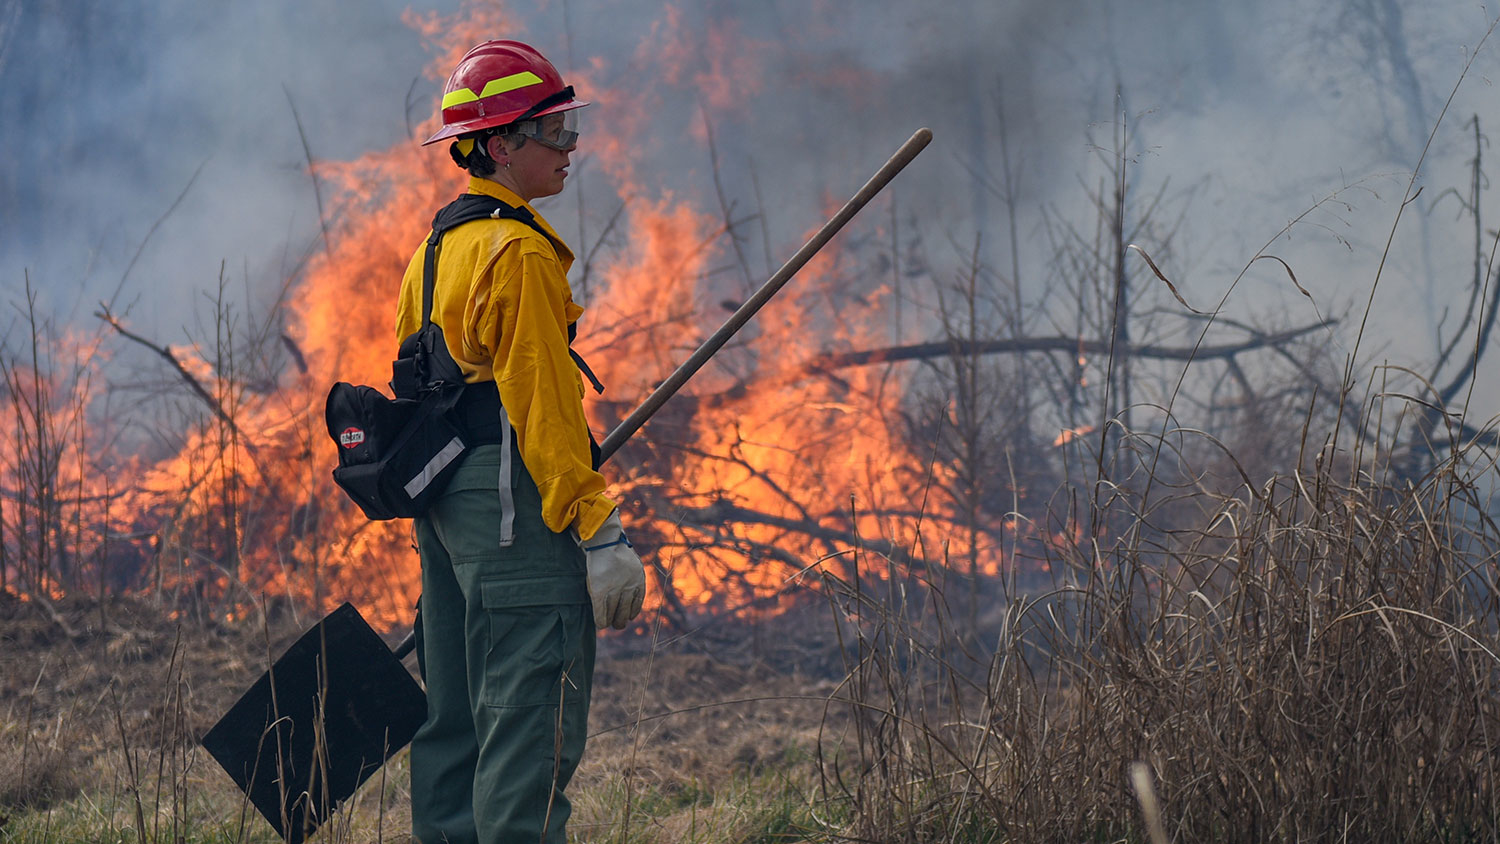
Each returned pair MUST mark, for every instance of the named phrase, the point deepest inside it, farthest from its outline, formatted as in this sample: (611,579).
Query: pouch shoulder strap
(474,206)
(477,206)
(466,208)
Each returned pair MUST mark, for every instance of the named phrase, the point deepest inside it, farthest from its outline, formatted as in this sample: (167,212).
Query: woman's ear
(498,152)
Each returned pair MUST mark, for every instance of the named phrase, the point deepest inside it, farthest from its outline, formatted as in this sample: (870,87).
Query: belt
(478,415)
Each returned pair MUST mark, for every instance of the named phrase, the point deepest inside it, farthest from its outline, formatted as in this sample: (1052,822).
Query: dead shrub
(41,770)
(1309,658)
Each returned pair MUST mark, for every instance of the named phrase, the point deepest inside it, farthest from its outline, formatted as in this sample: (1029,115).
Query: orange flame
(1068,435)
(763,468)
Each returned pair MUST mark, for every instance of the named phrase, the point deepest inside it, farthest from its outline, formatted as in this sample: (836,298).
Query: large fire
(763,467)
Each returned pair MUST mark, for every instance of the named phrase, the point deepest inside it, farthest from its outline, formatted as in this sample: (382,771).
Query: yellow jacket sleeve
(523,323)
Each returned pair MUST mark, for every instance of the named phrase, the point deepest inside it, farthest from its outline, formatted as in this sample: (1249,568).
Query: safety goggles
(557,131)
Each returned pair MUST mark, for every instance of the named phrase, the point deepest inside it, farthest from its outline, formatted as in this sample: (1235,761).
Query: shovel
(330,711)
(339,703)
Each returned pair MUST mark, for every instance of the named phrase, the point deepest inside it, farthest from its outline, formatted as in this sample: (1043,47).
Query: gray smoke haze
(108,108)
(1249,113)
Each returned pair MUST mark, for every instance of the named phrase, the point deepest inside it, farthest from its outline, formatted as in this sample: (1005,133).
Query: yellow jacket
(503,301)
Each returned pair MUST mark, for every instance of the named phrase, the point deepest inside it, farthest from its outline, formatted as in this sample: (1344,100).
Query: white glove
(616,578)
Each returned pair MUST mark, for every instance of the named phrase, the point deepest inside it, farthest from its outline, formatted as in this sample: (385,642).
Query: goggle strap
(548,102)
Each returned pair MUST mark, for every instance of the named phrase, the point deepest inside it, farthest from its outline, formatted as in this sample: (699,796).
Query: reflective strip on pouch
(507,497)
(424,478)
(495,86)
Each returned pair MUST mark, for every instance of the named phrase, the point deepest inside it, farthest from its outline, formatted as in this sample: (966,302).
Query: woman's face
(535,170)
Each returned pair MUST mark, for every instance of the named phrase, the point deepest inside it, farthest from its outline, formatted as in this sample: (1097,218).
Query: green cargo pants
(506,643)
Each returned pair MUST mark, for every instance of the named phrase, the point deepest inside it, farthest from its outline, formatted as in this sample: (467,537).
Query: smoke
(107,109)
(1243,115)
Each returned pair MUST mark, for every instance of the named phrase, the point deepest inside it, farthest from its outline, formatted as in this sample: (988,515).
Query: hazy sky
(1248,113)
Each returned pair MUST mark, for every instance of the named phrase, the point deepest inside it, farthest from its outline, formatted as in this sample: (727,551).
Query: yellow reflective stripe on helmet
(509,83)
(459,97)
(491,88)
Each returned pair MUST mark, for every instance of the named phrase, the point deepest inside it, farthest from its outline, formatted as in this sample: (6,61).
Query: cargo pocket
(529,643)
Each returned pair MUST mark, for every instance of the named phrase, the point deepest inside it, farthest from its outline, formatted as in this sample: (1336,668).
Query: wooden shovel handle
(742,315)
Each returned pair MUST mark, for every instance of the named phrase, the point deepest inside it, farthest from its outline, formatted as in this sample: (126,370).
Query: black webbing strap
(474,206)
(547,102)
(578,359)
(468,207)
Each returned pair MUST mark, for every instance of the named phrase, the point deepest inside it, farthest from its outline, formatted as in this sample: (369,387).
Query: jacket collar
(504,194)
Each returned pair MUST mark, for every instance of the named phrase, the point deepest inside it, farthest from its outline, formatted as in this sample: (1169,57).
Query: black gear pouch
(395,455)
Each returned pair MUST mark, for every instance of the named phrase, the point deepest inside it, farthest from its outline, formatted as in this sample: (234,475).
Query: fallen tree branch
(40,601)
(721,514)
(923,351)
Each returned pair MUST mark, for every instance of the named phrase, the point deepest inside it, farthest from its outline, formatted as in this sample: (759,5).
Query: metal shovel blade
(326,715)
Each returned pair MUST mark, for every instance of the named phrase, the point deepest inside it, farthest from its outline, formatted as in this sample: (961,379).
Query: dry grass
(101,718)
(1313,658)
(700,749)
(1310,658)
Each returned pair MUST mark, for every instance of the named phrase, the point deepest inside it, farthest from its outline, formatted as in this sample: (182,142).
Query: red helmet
(499,82)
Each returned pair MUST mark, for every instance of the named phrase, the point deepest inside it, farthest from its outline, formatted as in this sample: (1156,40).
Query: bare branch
(171,359)
(921,351)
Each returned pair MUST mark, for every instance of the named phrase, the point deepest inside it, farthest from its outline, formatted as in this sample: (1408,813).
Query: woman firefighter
(523,554)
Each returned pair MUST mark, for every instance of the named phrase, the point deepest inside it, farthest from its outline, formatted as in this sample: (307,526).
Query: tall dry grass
(1310,658)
